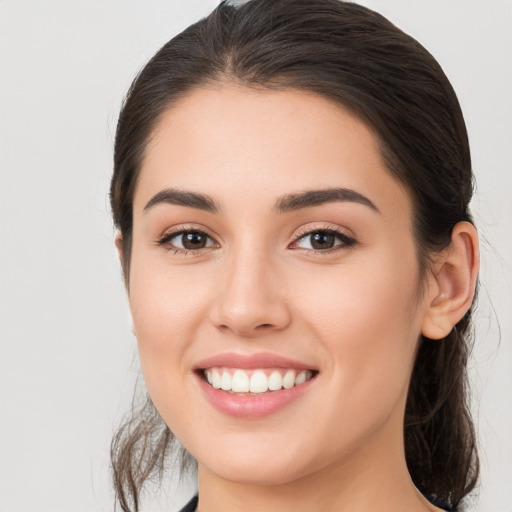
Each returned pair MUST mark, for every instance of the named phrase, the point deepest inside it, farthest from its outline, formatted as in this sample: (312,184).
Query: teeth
(255,381)
(216,378)
(289,379)
(301,378)
(275,381)
(259,382)
(226,381)
(240,382)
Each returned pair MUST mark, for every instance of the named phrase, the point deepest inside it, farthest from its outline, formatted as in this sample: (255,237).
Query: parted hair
(356,58)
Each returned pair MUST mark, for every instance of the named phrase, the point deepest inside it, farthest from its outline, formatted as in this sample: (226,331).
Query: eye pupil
(193,240)
(322,240)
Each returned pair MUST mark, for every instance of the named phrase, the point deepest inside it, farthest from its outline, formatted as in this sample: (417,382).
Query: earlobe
(119,245)
(455,276)
(124,259)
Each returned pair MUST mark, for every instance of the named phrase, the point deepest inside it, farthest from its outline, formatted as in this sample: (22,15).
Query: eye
(186,240)
(323,240)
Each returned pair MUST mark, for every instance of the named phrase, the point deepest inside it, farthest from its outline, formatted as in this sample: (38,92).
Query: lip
(251,361)
(257,405)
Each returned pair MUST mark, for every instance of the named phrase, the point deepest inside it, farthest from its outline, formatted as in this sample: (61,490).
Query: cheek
(370,294)
(165,310)
(163,298)
(368,319)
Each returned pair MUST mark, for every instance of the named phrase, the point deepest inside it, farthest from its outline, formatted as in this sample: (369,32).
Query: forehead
(230,141)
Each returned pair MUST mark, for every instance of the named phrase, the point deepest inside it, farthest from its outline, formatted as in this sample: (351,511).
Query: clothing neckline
(191,506)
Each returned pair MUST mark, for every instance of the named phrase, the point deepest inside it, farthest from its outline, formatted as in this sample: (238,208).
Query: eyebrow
(285,204)
(183,198)
(310,198)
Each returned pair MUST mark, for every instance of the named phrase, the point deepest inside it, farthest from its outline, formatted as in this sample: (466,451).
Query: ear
(453,285)
(119,245)
(120,253)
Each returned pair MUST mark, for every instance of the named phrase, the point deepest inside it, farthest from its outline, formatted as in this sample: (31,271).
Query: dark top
(192,504)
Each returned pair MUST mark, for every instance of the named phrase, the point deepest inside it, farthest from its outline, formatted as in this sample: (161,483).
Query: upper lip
(251,361)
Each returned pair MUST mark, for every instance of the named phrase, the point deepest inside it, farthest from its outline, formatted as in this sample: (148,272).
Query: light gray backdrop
(66,349)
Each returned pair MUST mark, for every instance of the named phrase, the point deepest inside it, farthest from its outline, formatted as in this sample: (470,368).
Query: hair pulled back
(357,59)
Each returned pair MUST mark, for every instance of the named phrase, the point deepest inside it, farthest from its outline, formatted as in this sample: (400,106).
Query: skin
(355,314)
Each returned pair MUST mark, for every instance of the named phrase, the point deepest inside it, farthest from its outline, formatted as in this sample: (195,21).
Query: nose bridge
(249,298)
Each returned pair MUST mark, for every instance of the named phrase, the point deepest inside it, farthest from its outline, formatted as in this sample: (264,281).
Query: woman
(291,188)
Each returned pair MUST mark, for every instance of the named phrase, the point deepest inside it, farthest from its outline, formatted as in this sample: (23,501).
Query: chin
(258,474)
(257,464)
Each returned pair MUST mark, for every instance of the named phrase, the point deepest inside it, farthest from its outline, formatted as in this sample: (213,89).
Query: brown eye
(187,240)
(194,240)
(323,240)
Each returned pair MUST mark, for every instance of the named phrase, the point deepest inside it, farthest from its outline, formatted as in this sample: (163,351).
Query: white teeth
(289,379)
(257,382)
(215,378)
(240,382)
(275,381)
(301,378)
(226,381)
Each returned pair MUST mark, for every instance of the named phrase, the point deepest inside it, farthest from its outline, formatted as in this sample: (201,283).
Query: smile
(255,381)
(252,386)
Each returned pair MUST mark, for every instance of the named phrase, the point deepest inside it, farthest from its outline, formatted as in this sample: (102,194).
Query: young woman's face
(273,254)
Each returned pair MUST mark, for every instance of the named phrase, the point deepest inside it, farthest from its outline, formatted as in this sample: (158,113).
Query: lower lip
(252,406)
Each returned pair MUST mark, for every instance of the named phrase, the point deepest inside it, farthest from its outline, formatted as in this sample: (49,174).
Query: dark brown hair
(358,59)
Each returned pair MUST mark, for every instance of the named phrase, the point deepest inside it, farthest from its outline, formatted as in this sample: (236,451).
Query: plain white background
(67,364)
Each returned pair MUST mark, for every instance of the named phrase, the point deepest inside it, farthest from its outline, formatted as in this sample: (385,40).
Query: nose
(250,300)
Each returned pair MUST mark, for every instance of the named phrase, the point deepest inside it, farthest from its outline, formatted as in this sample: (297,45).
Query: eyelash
(346,240)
